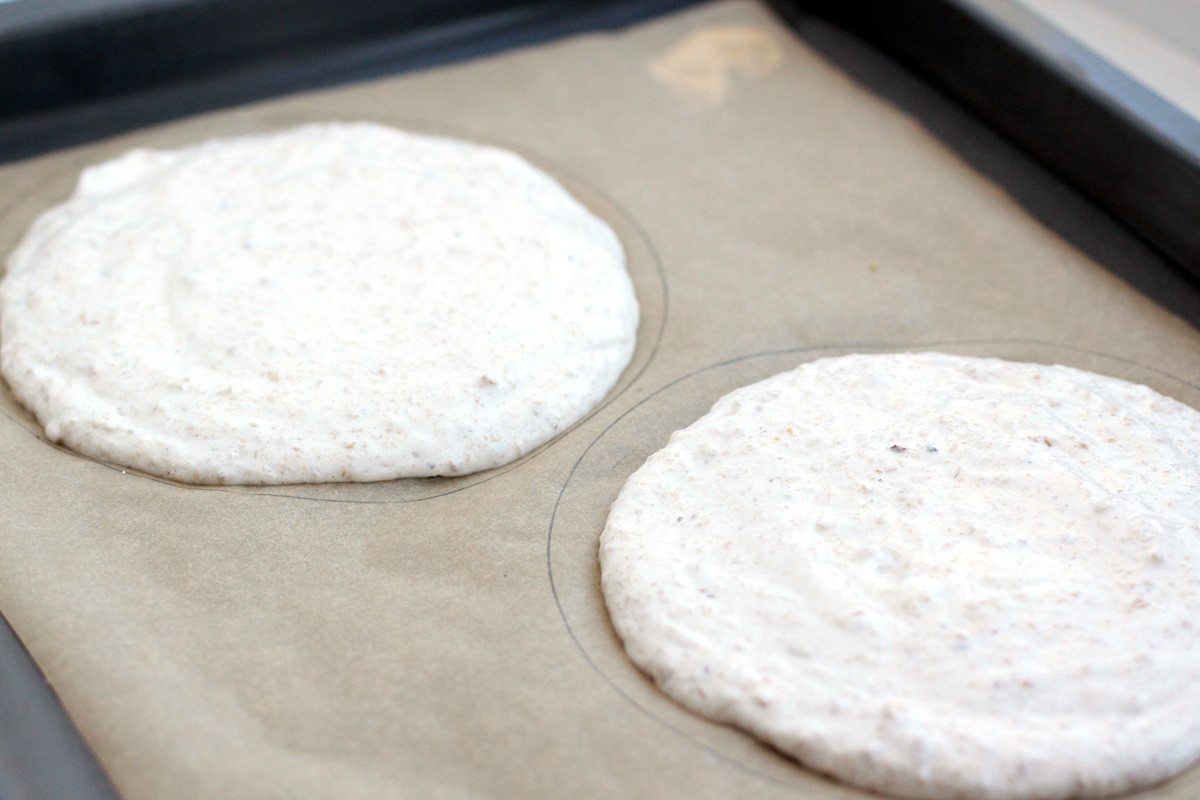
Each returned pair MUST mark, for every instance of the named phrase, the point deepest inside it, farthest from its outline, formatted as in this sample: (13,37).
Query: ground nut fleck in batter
(335,302)
(928,575)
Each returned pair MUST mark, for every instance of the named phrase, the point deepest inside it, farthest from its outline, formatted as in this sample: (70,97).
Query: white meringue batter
(928,575)
(335,302)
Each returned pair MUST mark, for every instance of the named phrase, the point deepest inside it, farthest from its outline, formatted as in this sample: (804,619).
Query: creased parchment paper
(781,198)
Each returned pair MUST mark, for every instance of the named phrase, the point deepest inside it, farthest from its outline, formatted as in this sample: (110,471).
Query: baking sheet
(446,638)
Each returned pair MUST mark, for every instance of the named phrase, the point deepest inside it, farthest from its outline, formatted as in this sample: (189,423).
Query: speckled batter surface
(928,575)
(334,302)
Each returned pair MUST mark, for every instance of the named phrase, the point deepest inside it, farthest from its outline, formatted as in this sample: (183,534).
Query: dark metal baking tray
(75,71)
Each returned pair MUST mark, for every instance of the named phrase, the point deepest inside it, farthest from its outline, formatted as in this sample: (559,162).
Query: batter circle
(336,302)
(875,619)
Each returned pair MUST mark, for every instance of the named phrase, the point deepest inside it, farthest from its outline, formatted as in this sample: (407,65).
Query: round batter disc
(928,575)
(335,302)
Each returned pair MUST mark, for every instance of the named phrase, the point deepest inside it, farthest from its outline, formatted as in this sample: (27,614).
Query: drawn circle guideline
(650,286)
(617,451)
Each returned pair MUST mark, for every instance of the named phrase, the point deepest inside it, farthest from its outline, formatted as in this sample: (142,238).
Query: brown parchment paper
(781,198)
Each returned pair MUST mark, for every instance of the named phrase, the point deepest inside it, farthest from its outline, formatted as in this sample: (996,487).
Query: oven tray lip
(1111,138)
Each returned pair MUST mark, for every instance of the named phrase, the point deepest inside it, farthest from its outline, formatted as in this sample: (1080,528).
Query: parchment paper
(781,198)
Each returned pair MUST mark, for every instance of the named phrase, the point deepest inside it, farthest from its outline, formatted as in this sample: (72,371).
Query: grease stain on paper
(703,63)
